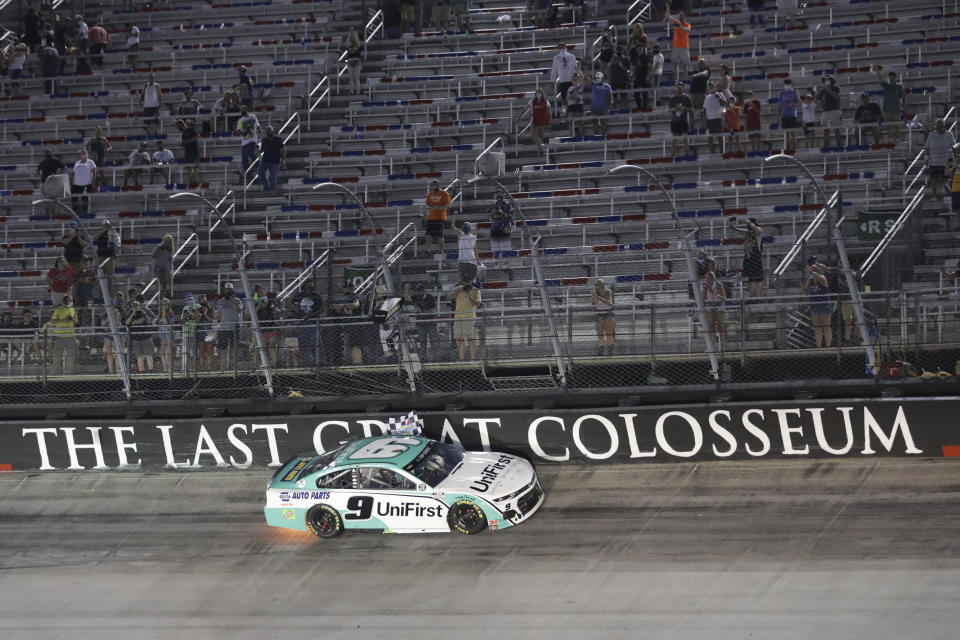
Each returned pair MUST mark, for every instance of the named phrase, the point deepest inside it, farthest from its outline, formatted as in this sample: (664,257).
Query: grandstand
(431,104)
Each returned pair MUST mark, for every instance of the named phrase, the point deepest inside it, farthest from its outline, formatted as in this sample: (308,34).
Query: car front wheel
(324,521)
(466,517)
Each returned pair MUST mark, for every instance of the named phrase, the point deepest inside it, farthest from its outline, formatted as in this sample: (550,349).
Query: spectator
(268,317)
(640,59)
(428,337)
(713,106)
(656,74)
(606,323)
(348,309)
(164,323)
(714,296)
(84,170)
(32,24)
(353,48)
(752,256)
(60,281)
(136,162)
(501,225)
(789,103)
(562,71)
(49,67)
(753,110)
(133,43)
(150,100)
(408,15)
(7,333)
(141,335)
(273,158)
(190,106)
(65,345)
(244,88)
(224,109)
(49,166)
(461,13)
(755,7)
(27,331)
(438,200)
(681,45)
(829,98)
(821,307)
(619,76)
(638,37)
(162,162)
(83,32)
(539,107)
(937,152)
(468,260)
(725,83)
(16,59)
(108,246)
(229,313)
(894,102)
(307,307)
(868,116)
(97,146)
(952,173)
(731,121)
(190,141)
(808,116)
(600,95)
(98,39)
(206,333)
(249,129)
(73,245)
(163,264)
(681,112)
(608,46)
(84,279)
(189,317)
(698,88)
(441,16)
(466,299)
(575,105)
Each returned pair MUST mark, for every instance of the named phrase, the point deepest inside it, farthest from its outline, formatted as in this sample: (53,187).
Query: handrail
(257,160)
(325,80)
(640,16)
(809,231)
(891,232)
(409,225)
(594,47)
(388,260)
(193,252)
(920,154)
(456,181)
(231,210)
(303,275)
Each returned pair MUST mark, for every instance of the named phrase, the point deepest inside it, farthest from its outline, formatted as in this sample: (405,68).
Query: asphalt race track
(777,549)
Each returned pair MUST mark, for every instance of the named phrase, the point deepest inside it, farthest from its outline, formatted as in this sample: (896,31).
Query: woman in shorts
(575,105)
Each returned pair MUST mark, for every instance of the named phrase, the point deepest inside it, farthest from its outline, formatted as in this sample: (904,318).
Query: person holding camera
(606,323)
(65,345)
(229,312)
(752,255)
(139,324)
(816,285)
(467,299)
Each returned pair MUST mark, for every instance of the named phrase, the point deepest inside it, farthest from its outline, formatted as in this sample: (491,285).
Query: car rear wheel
(466,517)
(324,521)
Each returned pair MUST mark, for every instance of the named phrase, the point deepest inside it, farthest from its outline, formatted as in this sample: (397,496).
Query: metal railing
(918,162)
(311,106)
(291,127)
(804,237)
(192,242)
(891,232)
(639,11)
(370,30)
(214,221)
(303,276)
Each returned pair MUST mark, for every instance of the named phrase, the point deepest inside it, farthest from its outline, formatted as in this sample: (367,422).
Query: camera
(388,308)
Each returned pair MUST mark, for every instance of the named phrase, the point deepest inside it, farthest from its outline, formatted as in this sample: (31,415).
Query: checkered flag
(408,425)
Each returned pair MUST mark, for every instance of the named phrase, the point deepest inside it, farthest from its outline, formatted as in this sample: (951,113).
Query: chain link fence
(634,342)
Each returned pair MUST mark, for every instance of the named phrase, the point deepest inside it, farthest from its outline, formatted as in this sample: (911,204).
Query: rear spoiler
(290,463)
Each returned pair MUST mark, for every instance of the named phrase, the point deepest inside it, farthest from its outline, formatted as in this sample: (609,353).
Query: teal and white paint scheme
(401,483)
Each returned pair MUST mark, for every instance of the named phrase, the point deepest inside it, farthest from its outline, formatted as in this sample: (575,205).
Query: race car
(402,484)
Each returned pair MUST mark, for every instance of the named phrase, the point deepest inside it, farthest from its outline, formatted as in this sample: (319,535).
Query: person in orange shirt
(437,202)
(681,45)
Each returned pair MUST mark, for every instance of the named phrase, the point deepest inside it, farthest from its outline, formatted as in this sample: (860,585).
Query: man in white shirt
(656,73)
(713,104)
(84,171)
(82,32)
(249,129)
(133,43)
(938,152)
(150,99)
(468,262)
(138,159)
(162,159)
(561,73)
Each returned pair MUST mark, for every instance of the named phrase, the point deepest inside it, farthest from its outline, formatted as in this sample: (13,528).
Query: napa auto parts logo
(912,427)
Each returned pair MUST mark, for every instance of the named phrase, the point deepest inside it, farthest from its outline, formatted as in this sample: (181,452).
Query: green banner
(873,226)
(356,275)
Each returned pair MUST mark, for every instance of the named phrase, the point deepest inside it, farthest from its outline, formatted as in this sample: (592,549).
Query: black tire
(466,517)
(324,521)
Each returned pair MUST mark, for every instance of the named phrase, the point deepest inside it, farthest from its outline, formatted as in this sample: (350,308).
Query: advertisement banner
(799,429)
